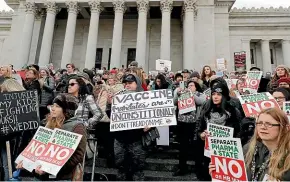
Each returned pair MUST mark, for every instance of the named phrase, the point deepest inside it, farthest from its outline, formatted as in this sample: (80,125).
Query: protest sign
(253,81)
(142,109)
(231,83)
(59,149)
(215,130)
(240,61)
(221,64)
(186,103)
(19,111)
(162,64)
(35,148)
(227,156)
(253,104)
(207,93)
(286,109)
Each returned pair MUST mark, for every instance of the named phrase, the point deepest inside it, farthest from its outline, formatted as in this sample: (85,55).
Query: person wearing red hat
(284,82)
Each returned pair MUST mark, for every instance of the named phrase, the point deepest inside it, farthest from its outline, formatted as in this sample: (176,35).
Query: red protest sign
(186,103)
(228,169)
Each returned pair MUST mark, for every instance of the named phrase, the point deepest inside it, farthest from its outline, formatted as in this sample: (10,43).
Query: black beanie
(68,103)
(222,89)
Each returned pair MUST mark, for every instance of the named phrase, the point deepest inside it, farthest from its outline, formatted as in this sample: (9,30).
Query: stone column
(188,34)
(67,53)
(266,56)
(119,7)
(166,8)
(45,52)
(96,9)
(286,51)
(27,32)
(143,6)
(246,45)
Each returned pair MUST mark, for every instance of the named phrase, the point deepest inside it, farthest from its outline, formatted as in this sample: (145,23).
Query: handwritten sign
(227,156)
(142,109)
(161,65)
(35,148)
(215,130)
(59,149)
(253,104)
(186,103)
(19,111)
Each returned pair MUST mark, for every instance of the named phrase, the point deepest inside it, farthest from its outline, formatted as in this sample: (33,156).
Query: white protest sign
(215,130)
(162,64)
(142,109)
(253,81)
(221,64)
(186,103)
(35,148)
(59,149)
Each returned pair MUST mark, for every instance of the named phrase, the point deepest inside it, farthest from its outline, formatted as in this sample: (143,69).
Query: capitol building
(112,33)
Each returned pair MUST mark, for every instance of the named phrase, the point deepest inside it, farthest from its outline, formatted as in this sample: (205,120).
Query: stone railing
(6,13)
(261,10)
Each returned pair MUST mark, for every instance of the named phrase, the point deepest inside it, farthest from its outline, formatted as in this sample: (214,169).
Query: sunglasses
(72,84)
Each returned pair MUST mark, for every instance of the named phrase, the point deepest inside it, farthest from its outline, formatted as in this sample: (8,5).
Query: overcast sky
(239,3)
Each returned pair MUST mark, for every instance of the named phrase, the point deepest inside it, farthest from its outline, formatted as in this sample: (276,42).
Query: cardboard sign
(59,149)
(227,156)
(215,130)
(186,103)
(253,81)
(253,104)
(207,93)
(142,109)
(19,111)
(162,64)
(286,109)
(35,148)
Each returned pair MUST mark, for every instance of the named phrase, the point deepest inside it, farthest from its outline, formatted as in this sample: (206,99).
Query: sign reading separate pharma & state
(253,81)
(35,148)
(59,149)
(19,111)
(215,130)
(142,109)
(253,104)
(186,103)
(227,156)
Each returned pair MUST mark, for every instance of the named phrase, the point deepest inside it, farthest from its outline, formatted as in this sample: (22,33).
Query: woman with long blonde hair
(6,71)
(267,153)
(11,85)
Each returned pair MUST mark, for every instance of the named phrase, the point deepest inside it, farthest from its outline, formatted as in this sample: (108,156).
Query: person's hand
(110,97)
(20,165)
(39,171)
(204,134)
(211,168)
(146,129)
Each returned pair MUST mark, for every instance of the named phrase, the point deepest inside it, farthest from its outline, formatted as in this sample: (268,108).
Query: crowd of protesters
(75,100)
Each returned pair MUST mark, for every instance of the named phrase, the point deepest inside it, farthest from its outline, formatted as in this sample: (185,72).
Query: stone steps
(110,173)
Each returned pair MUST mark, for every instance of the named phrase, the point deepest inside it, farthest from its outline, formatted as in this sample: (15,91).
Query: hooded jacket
(134,135)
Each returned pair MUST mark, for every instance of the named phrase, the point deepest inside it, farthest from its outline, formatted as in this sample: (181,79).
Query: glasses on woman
(72,84)
(266,124)
(279,98)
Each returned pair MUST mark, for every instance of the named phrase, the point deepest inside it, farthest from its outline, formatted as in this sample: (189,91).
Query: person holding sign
(267,155)
(62,117)
(217,110)
(186,121)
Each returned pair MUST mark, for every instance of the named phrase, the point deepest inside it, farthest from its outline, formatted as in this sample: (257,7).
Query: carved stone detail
(189,5)
(166,5)
(96,6)
(261,10)
(51,7)
(72,7)
(31,8)
(119,6)
(143,5)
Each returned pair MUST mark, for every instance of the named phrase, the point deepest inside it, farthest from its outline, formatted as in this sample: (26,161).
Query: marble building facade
(112,33)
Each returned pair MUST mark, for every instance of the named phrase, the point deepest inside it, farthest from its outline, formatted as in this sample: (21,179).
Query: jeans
(4,163)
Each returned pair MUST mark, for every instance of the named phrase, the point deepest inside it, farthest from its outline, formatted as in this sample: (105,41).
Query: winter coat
(47,92)
(33,85)
(101,101)
(262,155)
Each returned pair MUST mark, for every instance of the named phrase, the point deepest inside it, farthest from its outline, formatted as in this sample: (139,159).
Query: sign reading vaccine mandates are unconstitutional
(142,109)
(18,111)
(253,104)
(227,156)
(35,148)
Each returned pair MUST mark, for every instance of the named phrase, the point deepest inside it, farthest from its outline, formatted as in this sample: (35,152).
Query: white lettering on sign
(65,153)
(252,82)
(51,151)
(39,150)
(186,102)
(260,106)
(224,166)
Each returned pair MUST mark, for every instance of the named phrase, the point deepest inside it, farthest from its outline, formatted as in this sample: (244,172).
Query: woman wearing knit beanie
(281,71)
(62,117)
